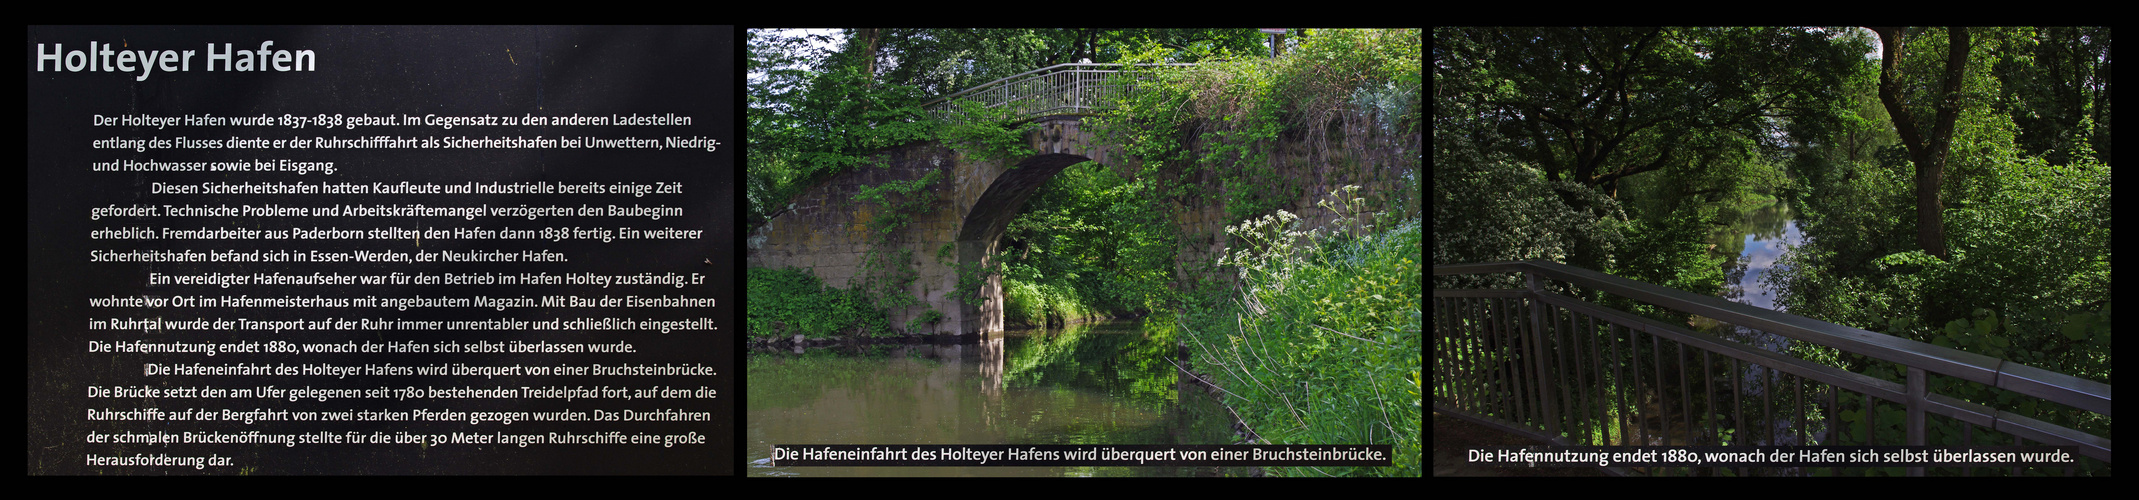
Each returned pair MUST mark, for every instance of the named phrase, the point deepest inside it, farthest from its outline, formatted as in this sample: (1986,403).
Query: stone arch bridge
(826,231)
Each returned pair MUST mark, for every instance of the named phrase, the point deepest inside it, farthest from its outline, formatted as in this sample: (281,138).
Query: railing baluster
(1708,394)
(1467,348)
(1464,366)
(1619,391)
(1596,356)
(1634,385)
(1656,357)
(1442,342)
(1798,434)
(1916,412)
(1509,362)
(1871,414)
(1491,375)
(1767,404)
(1582,382)
(1685,395)
(1968,438)
(1738,407)
(1476,357)
(1508,365)
(1833,427)
(1485,356)
(1560,364)
(1537,351)
(1709,414)
(1577,356)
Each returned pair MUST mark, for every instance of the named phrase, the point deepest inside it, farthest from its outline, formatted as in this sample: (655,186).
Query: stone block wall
(1350,151)
(827,231)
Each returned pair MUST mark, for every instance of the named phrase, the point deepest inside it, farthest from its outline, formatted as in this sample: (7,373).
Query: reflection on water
(1753,244)
(1108,383)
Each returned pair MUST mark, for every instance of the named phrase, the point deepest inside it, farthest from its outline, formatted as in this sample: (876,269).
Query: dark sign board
(381,250)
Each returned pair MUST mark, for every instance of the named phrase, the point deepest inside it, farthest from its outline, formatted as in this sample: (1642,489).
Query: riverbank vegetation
(1314,331)
(1952,184)
(1320,342)
(790,301)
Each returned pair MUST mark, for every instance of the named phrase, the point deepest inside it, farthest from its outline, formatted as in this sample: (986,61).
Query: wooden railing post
(1548,394)
(1917,404)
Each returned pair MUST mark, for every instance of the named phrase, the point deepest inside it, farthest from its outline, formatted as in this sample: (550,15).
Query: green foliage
(887,267)
(971,276)
(785,302)
(899,201)
(1670,252)
(813,115)
(924,322)
(1533,126)
(2039,210)
(1322,340)
(986,134)
(1489,210)
(1988,334)
(2056,89)
(1395,107)
(817,108)
(1041,304)
(2028,276)
(1578,145)
(1596,104)
(1232,110)
(1999,244)
(946,60)
(1089,242)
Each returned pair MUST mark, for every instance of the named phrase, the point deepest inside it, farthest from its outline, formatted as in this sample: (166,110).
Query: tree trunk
(1927,153)
(869,39)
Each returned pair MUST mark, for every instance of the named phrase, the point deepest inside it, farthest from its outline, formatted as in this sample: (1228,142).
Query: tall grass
(1319,342)
(1030,304)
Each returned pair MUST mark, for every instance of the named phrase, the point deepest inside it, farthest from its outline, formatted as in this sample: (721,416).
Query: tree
(1596,105)
(2054,82)
(1927,153)
(1590,107)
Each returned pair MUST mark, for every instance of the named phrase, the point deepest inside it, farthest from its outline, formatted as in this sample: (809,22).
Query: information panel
(381,250)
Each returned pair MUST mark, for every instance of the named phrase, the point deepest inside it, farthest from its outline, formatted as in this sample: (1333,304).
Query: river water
(1755,242)
(1104,383)
(1757,239)
(1751,245)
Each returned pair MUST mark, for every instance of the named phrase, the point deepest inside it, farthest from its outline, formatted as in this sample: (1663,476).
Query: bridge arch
(982,229)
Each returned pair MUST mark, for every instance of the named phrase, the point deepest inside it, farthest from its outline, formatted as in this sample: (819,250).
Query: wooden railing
(1555,368)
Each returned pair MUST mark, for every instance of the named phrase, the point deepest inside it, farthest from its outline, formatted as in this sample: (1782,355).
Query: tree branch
(1659,164)
(1890,92)
(1949,108)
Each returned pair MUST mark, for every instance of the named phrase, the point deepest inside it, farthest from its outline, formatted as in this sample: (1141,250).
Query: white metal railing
(1073,88)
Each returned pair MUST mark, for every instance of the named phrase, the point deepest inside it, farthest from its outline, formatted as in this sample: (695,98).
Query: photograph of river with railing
(1576,357)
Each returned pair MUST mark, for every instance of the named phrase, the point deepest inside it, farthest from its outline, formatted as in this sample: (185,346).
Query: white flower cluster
(1275,244)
